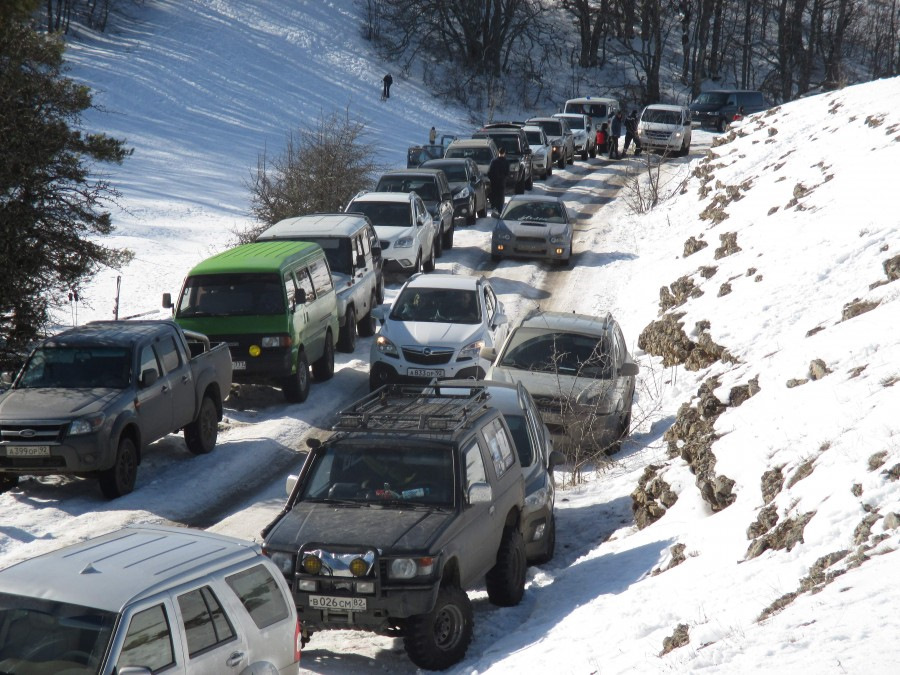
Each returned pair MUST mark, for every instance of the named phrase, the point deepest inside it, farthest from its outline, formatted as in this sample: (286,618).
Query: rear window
(508,141)
(575,122)
(424,186)
(712,98)
(384,214)
(481,154)
(551,128)
(260,595)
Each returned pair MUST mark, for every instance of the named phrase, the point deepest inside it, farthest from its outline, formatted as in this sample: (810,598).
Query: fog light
(254,350)
(499,247)
(559,251)
(358,567)
(311,564)
(307,585)
(538,532)
(365,587)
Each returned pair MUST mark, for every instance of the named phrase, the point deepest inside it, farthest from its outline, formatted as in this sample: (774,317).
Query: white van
(666,128)
(599,108)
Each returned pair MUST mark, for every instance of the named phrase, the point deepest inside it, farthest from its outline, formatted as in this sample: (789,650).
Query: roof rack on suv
(413,408)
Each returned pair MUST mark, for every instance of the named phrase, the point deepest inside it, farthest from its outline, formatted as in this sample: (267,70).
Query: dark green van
(275,305)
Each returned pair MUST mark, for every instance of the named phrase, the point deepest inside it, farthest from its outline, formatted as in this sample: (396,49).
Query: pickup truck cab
(417,497)
(88,401)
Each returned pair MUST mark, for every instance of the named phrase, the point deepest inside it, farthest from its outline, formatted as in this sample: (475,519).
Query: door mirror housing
(488,353)
(480,493)
(149,377)
(167,301)
(299,297)
(361,260)
(629,369)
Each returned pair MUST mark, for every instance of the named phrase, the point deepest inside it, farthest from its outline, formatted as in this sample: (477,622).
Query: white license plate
(239,365)
(27,450)
(344,604)
(425,372)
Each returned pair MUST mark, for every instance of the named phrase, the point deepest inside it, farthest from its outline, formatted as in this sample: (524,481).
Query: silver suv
(148,599)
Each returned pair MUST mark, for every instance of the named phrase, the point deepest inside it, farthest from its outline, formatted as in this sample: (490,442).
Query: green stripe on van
(263,256)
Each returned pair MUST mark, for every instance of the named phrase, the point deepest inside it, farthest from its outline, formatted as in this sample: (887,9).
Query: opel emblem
(427,351)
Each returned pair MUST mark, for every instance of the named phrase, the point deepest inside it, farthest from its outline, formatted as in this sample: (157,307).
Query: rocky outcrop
(651,498)
(783,537)
(666,338)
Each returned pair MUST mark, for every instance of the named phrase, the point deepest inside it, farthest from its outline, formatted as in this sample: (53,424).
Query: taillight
(298,641)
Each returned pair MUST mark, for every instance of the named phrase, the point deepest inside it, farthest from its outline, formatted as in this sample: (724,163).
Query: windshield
(546,212)
(534,138)
(366,474)
(42,636)
(551,128)
(575,122)
(77,367)
(655,116)
(422,186)
(711,98)
(437,305)
(597,110)
(337,251)
(537,349)
(384,214)
(238,294)
(508,141)
(481,154)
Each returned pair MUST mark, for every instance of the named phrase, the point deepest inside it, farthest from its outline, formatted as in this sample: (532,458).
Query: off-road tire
(347,334)
(529,184)
(428,265)
(550,548)
(379,291)
(496,258)
(447,241)
(584,155)
(549,171)
(520,187)
(593,152)
(366,325)
(506,579)
(296,386)
(8,481)
(440,638)
(200,435)
(119,479)
(438,242)
(323,368)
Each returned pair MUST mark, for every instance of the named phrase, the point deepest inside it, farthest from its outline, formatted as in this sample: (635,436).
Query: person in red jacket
(603,138)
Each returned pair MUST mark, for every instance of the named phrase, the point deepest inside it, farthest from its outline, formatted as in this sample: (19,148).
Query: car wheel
(520,187)
(347,334)
(720,124)
(584,155)
(440,638)
(366,325)
(470,219)
(323,368)
(506,579)
(561,162)
(549,544)
(428,265)
(496,258)
(530,183)
(685,149)
(200,435)
(549,171)
(296,387)
(594,151)
(119,479)
(483,212)
(448,237)
(417,268)
(8,481)
(379,292)
(624,430)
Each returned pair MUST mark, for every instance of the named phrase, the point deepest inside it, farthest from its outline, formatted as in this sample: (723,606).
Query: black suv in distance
(417,496)
(511,136)
(434,189)
(716,109)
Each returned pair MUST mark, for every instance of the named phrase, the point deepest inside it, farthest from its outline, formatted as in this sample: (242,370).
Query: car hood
(530,228)
(382,527)
(390,233)
(457,186)
(550,384)
(555,140)
(431,333)
(706,107)
(539,149)
(41,404)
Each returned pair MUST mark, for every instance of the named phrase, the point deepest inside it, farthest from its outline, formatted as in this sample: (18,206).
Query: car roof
(471,142)
(317,224)
(383,197)
(532,127)
(411,172)
(665,106)
(504,396)
(575,323)
(432,280)
(445,161)
(549,118)
(263,256)
(570,115)
(593,99)
(110,571)
(107,333)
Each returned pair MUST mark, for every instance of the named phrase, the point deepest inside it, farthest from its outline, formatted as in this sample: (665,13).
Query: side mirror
(167,301)
(480,493)
(378,313)
(488,353)
(149,377)
(629,369)
(376,248)
(556,458)
(500,319)
(300,297)
(290,483)
(361,260)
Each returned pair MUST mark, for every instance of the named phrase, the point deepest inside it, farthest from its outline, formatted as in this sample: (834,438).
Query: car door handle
(491,510)
(235,659)
(185,378)
(165,389)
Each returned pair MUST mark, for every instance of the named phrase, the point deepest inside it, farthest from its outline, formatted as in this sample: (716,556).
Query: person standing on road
(615,130)
(497,173)
(388,81)
(631,134)
(603,138)
(432,136)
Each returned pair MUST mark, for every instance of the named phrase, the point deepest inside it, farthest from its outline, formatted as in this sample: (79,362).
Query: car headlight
(86,425)
(386,347)
(560,238)
(464,193)
(555,148)
(471,350)
(596,399)
(537,498)
(407,568)
(276,341)
(283,561)
(404,242)
(678,134)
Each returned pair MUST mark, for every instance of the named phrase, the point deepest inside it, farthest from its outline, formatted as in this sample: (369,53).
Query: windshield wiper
(344,502)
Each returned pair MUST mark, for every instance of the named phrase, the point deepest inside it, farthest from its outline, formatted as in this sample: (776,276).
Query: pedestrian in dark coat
(631,133)
(388,81)
(615,130)
(497,173)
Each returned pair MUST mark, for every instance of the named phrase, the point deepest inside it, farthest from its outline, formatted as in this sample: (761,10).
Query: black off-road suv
(511,136)
(416,498)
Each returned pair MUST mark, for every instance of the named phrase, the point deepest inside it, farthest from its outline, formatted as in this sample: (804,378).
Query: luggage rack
(414,408)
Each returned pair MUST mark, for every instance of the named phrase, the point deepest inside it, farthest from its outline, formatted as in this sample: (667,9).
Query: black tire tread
(419,640)
(506,579)
(201,441)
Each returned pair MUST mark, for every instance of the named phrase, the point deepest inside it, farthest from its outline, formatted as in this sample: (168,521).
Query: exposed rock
(766,519)
(818,576)
(651,497)
(794,382)
(813,331)
(777,605)
(785,536)
(758,278)
(864,530)
(724,289)
(771,483)
(729,245)
(891,521)
(751,271)
(681,290)
(676,557)
(856,490)
(692,245)
(857,371)
(708,271)
(877,460)
(892,268)
(679,638)
(818,369)
(893,473)
(741,393)
(802,472)
(666,338)
(856,307)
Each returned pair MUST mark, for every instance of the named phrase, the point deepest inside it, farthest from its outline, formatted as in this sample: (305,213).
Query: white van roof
(316,225)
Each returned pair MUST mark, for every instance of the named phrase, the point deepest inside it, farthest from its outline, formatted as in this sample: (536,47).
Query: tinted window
(480,154)
(508,141)
(657,116)
(168,354)
(321,278)
(534,137)
(575,122)
(499,447)
(712,98)
(456,173)
(425,186)
(337,251)
(260,595)
(205,623)
(551,128)
(389,214)
(231,295)
(148,642)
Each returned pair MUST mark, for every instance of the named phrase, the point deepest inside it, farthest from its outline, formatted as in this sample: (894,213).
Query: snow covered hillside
(765,454)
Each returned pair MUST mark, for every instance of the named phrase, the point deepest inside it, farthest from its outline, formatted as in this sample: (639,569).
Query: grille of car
(34,433)
(428,356)
(658,135)
(532,240)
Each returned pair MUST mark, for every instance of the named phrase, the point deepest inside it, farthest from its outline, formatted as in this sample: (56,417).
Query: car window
(540,212)
(237,294)
(490,302)
(475,472)
(304,282)
(499,447)
(321,278)
(437,305)
(204,621)
(148,642)
(576,354)
(522,437)
(148,360)
(260,595)
(168,354)
(383,214)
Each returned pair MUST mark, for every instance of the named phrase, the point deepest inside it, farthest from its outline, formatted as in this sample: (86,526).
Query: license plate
(27,450)
(344,604)
(425,372)
(239,365)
